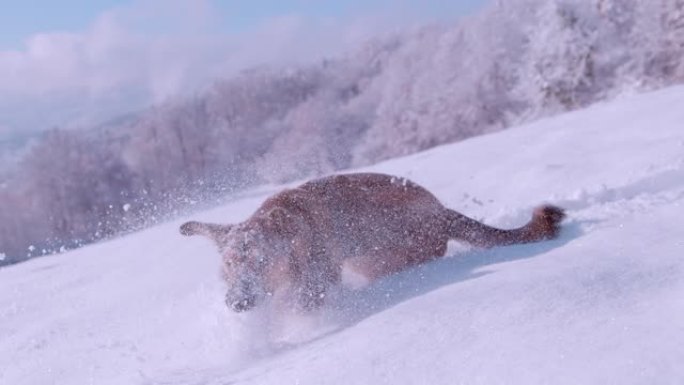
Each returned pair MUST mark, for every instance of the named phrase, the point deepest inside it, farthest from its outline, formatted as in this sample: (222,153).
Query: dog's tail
(209,230)
(545,224)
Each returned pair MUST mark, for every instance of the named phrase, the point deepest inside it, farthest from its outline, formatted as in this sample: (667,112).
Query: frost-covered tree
(394,95)
(667,61)
(559,68)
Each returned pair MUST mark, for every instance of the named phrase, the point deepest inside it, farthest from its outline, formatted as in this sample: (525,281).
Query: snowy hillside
(604,304)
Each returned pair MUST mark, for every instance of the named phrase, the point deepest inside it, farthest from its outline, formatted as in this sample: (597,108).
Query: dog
(299,239)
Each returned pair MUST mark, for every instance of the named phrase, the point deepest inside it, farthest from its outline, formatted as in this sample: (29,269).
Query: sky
(22,19)
(74,62)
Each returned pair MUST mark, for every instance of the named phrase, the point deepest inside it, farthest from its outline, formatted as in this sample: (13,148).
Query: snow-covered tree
(394,95)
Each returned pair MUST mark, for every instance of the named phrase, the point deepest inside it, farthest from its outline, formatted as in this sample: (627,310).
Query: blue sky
(78,62)
(22,19)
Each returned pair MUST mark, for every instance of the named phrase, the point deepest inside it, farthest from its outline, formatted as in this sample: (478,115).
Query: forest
(515,61)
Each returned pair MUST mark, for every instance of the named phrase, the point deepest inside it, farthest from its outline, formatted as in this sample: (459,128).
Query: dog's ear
(209,230)
(191,228)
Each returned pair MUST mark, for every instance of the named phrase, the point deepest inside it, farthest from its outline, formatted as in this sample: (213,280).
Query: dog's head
(245,267)
(250,256)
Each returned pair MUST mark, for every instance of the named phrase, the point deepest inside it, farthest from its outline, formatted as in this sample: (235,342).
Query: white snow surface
(603,304)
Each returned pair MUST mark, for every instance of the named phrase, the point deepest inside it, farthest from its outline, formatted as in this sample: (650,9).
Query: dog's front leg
(320,273)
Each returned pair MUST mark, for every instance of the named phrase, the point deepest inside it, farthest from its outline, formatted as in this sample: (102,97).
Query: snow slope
(604,304)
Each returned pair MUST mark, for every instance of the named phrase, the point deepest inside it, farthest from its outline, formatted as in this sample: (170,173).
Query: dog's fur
(379,224)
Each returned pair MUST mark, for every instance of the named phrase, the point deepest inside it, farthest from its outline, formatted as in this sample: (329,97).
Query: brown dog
(379,224)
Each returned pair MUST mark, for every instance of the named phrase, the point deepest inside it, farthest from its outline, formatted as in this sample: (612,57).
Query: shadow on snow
(354,306)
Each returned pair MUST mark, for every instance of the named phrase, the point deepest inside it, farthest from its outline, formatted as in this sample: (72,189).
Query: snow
(604,303)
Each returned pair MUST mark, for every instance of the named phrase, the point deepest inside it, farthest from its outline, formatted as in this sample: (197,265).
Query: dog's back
(383,223)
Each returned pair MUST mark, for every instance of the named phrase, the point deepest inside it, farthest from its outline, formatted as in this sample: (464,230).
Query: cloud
(141,54)
(115,51)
